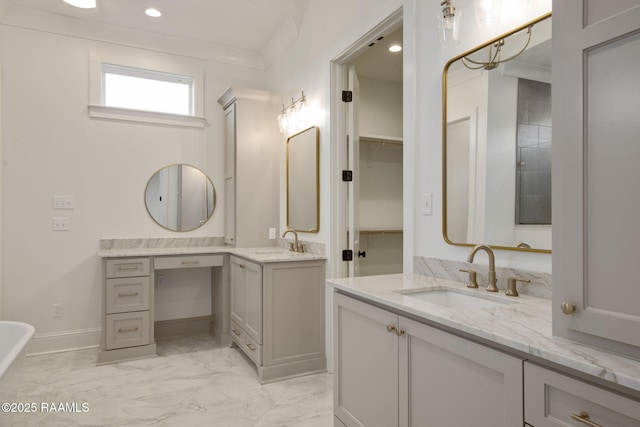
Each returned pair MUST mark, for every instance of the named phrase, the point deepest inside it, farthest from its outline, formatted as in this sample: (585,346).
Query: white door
(353,135)
(596,201)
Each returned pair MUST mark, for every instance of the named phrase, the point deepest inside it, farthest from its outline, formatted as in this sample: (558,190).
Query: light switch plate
(427,204)
(64,202)
(60,224)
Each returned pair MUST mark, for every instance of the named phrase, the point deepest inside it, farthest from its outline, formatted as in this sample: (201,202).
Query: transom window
(147,90)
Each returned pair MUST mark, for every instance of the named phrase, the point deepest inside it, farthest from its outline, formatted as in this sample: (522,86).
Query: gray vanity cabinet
(277,316)
(553,400)
(251,166)
(127,321)
(595,174)
(393,371)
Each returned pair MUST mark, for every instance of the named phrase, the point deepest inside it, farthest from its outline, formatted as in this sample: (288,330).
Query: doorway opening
(367,140)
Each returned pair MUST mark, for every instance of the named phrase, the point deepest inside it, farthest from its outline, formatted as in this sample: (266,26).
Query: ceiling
(378,63)
(245,25)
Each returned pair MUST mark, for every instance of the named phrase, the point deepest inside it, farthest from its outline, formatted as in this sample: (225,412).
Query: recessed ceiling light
(154,13)
(395,48)
(84,4)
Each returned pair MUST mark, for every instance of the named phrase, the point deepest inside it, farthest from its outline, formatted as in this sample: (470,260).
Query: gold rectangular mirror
(496,149)
(303,183)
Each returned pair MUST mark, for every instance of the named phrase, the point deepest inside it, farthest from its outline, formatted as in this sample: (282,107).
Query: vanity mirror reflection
(303,183)
(496,131)
(180,197)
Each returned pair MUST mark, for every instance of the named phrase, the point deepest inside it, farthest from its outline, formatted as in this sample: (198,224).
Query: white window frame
(149,66)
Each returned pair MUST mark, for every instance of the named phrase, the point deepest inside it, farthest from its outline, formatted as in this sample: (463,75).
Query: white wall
(380,108)
(52,147)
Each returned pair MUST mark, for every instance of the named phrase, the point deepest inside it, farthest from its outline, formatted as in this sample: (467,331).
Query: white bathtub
(14,337)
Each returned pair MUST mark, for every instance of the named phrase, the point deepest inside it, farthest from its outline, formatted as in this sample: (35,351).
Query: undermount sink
(454,299)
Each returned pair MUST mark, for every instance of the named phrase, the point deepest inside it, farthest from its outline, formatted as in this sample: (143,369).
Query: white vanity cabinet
(127,310)
(553,399)
(251,165)
(277,315)
(393,371)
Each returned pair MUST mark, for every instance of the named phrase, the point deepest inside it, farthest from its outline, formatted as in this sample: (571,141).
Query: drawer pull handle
(241,265)
(130,294)
(128,267)
(584,419)
(390,328)
(236,332)
(190,262)
(128,330)
(251,347)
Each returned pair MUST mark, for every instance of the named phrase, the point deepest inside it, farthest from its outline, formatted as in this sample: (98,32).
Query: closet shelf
(381,230)
(384,140)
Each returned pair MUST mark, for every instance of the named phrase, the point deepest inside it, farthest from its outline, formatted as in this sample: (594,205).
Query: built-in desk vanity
(403,361)
(268,302)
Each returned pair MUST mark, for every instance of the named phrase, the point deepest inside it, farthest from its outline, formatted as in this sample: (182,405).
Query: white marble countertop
(262,255)
(522,324)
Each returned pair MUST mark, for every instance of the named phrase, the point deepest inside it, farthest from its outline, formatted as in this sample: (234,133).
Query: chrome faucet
(491,279)
(294,247)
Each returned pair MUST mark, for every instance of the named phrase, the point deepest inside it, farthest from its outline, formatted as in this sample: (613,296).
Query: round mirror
(180,197)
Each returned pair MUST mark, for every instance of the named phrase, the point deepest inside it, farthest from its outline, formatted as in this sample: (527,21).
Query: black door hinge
(347,255)
(347,96)
(347,176)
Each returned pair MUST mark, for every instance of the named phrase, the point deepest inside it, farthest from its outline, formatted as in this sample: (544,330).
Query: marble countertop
(522,323)
(262,255)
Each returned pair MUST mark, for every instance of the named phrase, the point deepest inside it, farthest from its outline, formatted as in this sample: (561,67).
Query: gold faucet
(491,279)
(294,247)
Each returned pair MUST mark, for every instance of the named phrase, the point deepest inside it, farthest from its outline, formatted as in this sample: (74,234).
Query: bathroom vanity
(411,348)
(268,302)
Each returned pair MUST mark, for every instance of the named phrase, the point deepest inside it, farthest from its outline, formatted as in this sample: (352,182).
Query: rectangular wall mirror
(496,130)
(303,181)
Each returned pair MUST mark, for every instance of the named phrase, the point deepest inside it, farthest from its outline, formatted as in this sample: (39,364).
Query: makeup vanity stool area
(128,295)
(268,304)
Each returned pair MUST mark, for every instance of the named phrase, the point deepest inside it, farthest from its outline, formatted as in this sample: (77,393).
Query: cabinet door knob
(391,328)
(567,308)
(399,332)
(584,419)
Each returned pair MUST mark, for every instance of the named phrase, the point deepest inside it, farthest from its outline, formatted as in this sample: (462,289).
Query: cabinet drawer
(127,267)
(127,330)
(552,399)
(127,294)
(189,261)
(246,343)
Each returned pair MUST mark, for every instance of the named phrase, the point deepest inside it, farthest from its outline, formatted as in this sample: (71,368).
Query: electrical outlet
(60,224)
(64,202)
(56,310)
(160,279)
(272,233)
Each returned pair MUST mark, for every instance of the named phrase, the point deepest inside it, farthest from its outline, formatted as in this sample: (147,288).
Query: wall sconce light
(448,20)
(294,116)
(487,12)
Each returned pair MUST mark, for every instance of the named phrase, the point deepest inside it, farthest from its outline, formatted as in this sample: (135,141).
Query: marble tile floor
(193,382)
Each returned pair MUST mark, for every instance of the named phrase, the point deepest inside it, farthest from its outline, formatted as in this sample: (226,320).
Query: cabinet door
(229,173)
(595,172)
(238,291)
(553,400)
(365,364)
(446,380)
(253,296)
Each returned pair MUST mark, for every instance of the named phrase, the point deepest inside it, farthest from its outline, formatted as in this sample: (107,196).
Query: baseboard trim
(58,342)
(178,327)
